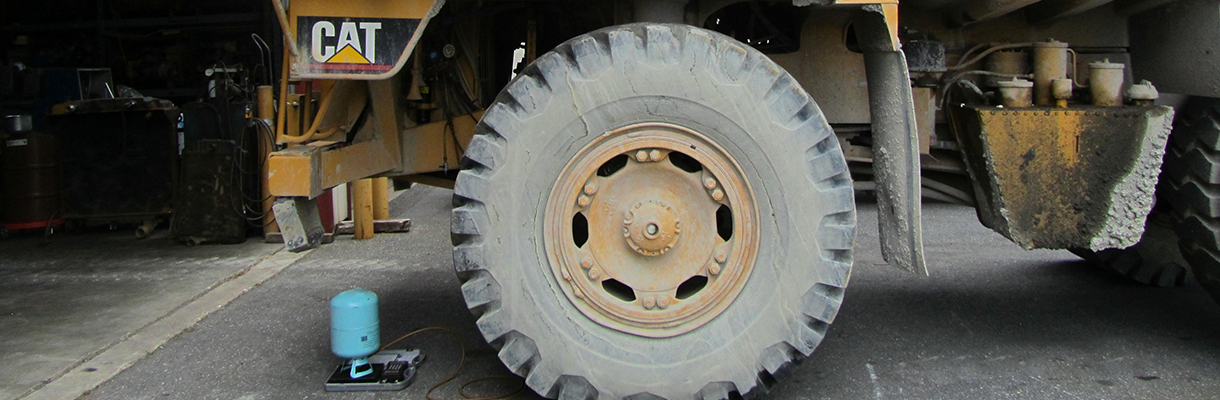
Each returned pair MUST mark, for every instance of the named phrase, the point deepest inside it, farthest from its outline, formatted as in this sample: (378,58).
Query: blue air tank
(355,328)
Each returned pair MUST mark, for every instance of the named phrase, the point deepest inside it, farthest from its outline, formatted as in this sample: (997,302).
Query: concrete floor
(993,321)
(65,301)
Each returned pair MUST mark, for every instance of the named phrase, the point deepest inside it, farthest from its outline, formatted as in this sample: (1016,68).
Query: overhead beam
(1051,10)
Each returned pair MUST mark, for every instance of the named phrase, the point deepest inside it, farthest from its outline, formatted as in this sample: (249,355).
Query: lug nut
(655,155)
(590,188)
(641,156)
(714,269)
(663,302)
(709,183)
(593,274)
(718,194)
(583,201)
(649,302)
(721,256)
(586,263)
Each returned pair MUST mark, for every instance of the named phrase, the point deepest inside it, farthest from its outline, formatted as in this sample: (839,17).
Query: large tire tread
(1193,174)
(1156,260)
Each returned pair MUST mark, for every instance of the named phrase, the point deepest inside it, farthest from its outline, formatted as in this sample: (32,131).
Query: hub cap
(651,230)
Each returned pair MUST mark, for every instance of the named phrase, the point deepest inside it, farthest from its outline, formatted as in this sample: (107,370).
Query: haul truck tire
(1156,260)
(653,209)
(1192,168)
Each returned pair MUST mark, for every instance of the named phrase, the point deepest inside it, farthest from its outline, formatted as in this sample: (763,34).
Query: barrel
(30,175)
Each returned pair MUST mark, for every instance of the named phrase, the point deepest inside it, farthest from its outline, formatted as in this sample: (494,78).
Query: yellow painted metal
(381,198)
(342,104)
(889,8)
(292,117)
(1055,139)
(308,170)
(290,172)
(381,147)
(1054,177)
(429,147)
(362,208)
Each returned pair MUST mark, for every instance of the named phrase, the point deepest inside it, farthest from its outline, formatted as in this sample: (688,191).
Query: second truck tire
(1156,260)
(1192,169)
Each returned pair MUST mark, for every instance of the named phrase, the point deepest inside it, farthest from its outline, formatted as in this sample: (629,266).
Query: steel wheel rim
(655,226)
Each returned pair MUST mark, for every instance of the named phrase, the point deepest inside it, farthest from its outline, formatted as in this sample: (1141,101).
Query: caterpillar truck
(658,198)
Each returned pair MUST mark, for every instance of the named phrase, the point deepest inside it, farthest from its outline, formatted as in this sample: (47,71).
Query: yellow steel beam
(433,147)
(308,170)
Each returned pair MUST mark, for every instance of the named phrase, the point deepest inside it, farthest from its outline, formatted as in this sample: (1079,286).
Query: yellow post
(266,113)
(381,199)
(362,208)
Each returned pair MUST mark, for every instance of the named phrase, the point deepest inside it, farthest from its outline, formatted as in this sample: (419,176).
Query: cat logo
(351,49)
(350,46)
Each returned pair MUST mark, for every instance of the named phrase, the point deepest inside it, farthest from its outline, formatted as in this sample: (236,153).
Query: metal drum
(30,175)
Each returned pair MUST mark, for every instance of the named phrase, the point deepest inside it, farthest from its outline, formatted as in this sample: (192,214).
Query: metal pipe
(381,199)
(282,116)
(362,208)
(282,14)
(266,111)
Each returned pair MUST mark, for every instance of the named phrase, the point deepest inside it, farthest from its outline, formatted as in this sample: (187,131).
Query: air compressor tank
(355,328)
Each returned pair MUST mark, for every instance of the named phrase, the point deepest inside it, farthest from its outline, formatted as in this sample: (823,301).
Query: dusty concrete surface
(65,301)
(993,321)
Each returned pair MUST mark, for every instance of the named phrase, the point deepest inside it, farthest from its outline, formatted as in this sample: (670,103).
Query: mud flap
(895,140)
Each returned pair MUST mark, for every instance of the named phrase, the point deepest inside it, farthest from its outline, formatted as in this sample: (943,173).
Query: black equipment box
(209,208)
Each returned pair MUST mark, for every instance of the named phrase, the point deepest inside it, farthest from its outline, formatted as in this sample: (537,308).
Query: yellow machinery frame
(319,157)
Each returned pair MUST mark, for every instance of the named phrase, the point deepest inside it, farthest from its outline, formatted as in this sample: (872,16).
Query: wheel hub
(651,230)
(651,227)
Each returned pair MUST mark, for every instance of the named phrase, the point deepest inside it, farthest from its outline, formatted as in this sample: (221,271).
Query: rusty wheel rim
(651,230)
